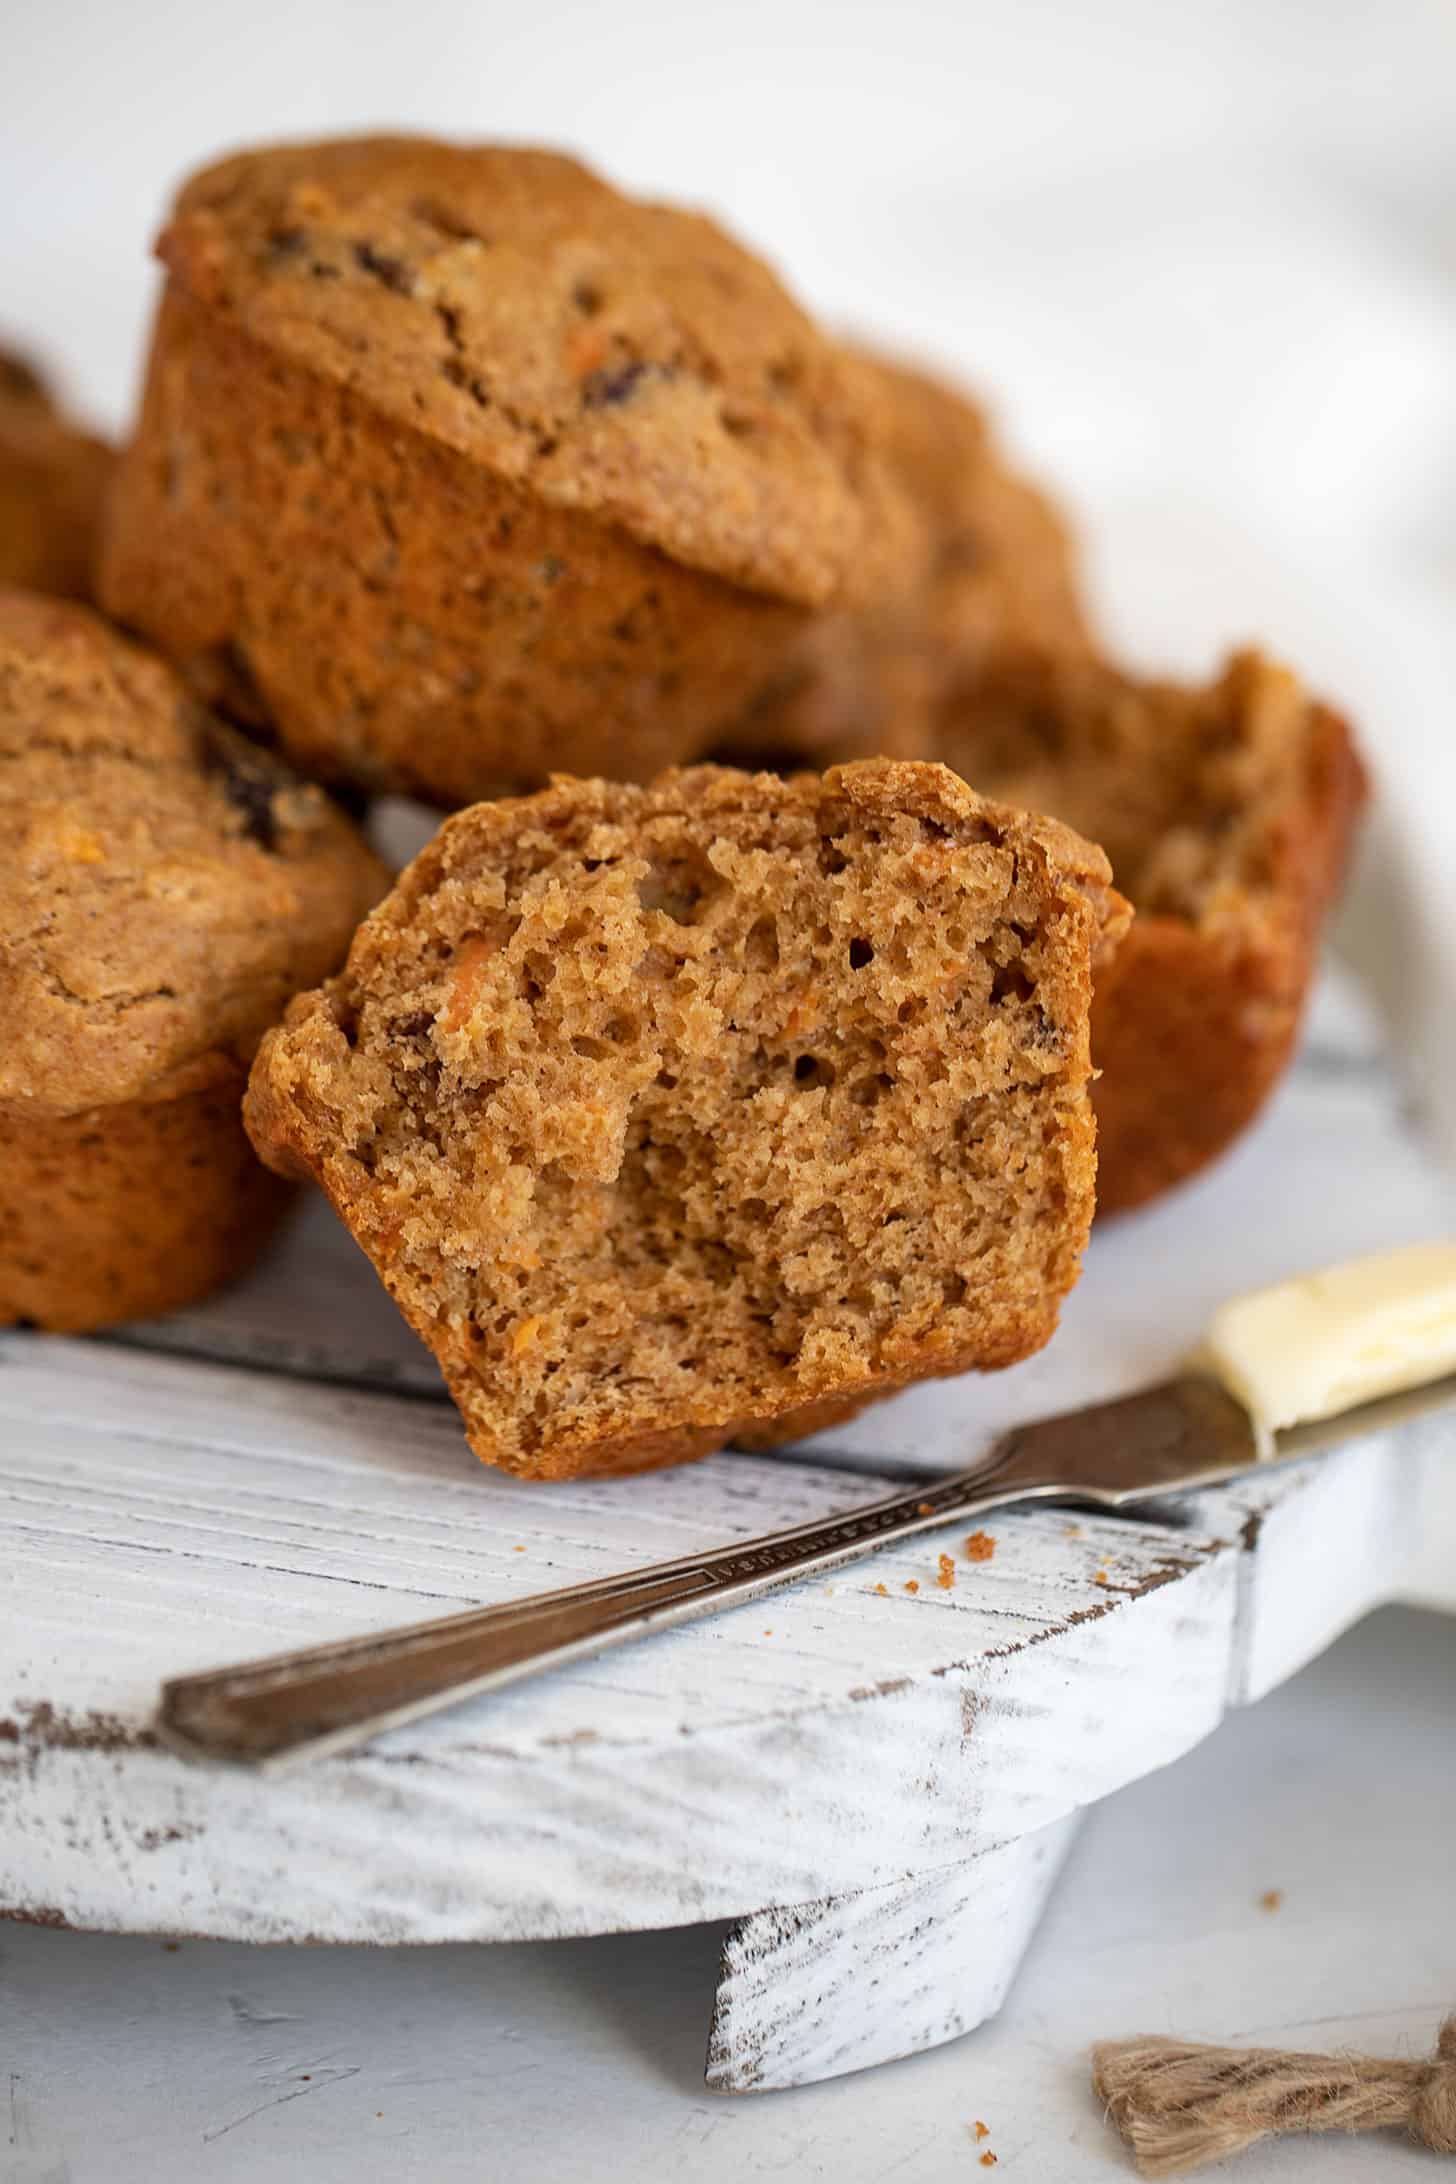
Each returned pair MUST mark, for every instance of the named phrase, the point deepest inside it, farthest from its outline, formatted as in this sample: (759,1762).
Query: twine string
(1180,2105)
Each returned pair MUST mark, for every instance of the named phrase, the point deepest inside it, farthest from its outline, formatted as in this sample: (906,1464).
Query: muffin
(1228,813)
(711,1109)
(456,467)
(1003,567)
(53,479)
(164,888)
(998,567)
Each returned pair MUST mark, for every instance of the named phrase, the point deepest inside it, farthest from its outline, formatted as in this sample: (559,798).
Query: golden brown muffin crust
(123,1211)
(164,884)
(997,568)
(1003,566)
(621,359)
(53,479)
(664,1113)
(399,615)
(1227,811)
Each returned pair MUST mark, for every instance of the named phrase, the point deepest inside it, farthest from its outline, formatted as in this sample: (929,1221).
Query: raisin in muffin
(458,467)
(164,888)
(1228,812)
(53,479)
(710,1109)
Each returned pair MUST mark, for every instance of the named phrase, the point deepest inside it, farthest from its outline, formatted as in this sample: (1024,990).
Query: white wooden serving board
(877,1785)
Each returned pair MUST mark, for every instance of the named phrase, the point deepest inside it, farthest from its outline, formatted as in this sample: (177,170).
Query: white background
(1203,253)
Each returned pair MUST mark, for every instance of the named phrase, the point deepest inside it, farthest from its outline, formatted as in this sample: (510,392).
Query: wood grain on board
(869,1771)
(812,1991)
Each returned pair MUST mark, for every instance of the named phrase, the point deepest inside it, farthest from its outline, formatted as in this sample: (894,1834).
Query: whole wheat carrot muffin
(716,1107)
(998,568)
(164,888)
(457,467)
(1228,813)
(1004,565)
(53,478)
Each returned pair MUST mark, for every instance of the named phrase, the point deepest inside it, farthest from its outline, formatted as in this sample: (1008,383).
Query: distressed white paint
(827,1988)
(831,1737)
(861,1753)
(1374,1525)
(217,2063)
(831,1740)
(815,1990)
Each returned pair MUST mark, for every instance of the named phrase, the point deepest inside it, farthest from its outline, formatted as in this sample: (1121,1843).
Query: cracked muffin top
(165,886)
(623,359)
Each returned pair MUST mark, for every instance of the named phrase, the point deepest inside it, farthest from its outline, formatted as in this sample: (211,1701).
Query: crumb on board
(912,1584)
(519,1549)
(924,1509)
(883,1591)
(1271,1899)
(769,1632)
(980,2130)
(945,1574)
(1101,1577)
(980,1546)
(1071,1531)
(988,2159)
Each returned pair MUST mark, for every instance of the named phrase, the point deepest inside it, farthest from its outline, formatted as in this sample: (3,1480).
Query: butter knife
(1185,1433)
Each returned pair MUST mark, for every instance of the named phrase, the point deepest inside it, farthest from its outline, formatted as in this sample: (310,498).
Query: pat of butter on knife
(1322,1344)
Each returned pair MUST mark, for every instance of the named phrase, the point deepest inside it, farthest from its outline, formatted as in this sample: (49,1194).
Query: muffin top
(165,886)
(1004,566)
(52,479)
(625,359)
(937,435)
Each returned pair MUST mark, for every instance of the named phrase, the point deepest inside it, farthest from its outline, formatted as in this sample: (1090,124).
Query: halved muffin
(675,1113)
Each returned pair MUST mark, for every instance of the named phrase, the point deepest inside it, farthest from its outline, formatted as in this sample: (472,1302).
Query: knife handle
(328,1698)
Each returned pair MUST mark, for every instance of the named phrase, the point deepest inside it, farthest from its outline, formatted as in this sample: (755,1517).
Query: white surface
(827,1738)
(574,2060)
(861,1769)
